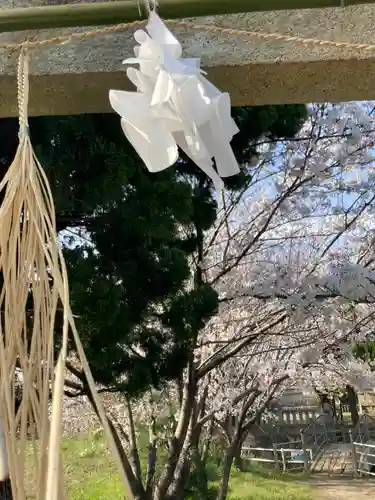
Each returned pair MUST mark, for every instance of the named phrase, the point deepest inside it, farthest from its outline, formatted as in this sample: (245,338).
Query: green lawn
(90,471)
(264,486)
(91,475)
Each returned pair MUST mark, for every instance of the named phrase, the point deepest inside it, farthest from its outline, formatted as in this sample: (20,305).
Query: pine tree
(128,234)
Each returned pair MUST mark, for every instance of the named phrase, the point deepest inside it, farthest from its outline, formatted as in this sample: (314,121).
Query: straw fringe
(34,293)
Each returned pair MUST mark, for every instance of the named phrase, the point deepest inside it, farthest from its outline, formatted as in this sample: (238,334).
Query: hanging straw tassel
(34,291)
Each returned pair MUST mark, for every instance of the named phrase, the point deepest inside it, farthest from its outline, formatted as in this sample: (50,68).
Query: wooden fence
(304,415)
(284,456)
(364,458)
(298,415)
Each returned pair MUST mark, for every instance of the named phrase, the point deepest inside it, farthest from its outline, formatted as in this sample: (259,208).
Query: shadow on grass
(271,472)
(260,483)
(256,482)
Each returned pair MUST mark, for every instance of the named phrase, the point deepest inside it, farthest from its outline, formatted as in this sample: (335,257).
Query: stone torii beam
(75,78)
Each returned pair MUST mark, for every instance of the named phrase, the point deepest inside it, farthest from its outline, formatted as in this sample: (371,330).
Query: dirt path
(343,489)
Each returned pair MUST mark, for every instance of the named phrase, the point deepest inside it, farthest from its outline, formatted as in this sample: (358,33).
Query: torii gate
(75,79)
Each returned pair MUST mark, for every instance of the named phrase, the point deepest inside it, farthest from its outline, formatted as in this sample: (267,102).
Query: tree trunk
(352,401)
(334,407)
(135,483)
(227,465)
(152,455)
(177,442)
(183,467)
(134,455)
(207,442)
(6,490)
(238,462)
(178,485)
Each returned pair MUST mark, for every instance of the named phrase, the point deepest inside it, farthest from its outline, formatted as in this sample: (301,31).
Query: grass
(266,485)
(90,471)
(92,475)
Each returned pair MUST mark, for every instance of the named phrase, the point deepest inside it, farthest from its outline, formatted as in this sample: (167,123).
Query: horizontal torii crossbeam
(120,11)
(75,78)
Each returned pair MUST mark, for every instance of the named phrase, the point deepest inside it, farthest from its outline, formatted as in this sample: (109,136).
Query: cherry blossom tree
(291,258)
(297,242)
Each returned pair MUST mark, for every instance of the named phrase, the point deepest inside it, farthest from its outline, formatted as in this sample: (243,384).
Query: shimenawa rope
(73,37)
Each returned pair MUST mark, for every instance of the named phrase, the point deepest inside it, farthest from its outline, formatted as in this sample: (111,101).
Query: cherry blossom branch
(220,357)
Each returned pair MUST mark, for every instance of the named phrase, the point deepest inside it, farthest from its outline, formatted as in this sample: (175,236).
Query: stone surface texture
(75,77)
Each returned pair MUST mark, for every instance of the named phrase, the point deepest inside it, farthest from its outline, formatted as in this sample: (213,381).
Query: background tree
(285,256)
(122,231)
(364,351)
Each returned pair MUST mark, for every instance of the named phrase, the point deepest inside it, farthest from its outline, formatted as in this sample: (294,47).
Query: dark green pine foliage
(127,237)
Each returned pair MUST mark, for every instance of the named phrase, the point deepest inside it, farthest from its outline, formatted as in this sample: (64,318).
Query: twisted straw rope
(64,39)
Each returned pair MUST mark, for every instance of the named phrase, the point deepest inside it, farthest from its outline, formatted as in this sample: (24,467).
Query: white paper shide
(174,105)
